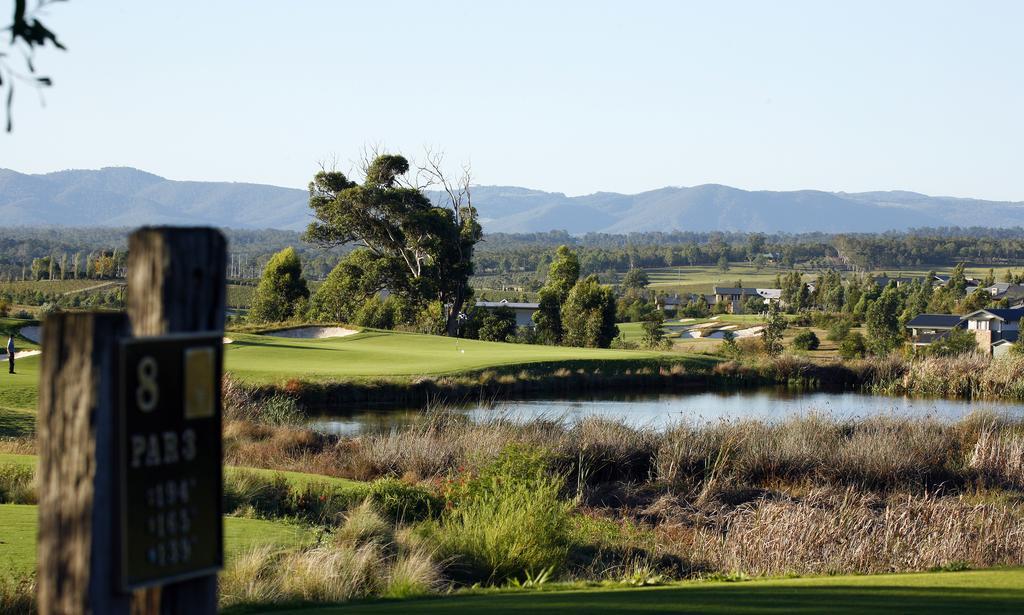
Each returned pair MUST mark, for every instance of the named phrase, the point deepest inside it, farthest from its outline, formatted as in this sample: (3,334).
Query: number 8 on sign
(148,392)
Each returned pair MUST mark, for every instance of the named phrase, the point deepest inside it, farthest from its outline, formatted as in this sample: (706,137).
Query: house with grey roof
(1006,290)
(928,328)
(523,311)
(996,329)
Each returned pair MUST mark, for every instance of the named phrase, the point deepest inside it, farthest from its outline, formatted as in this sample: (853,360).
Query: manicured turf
(18,396)
(297,480)
(18,537)
(375,354)
(983,591)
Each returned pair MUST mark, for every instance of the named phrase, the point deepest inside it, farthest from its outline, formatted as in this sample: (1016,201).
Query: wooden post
(177,284)
(76,422)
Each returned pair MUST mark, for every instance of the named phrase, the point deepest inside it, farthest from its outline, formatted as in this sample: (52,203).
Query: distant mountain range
(123,196)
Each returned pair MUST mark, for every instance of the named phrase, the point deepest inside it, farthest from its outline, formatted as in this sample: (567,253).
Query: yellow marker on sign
(199,384)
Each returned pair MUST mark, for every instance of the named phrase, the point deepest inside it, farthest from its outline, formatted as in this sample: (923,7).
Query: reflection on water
(659,410)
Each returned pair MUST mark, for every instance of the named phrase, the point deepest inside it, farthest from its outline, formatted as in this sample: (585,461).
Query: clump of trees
(572,311)
(563,274)
(420,251)
(775,325)
(588,315)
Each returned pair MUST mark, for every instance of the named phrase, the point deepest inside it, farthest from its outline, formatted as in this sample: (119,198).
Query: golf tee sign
(170,459)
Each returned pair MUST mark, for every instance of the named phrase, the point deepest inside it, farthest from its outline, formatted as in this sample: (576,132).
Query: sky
(573,97)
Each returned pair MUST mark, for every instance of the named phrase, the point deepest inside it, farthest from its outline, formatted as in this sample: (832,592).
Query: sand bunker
(313,333)
(749,332)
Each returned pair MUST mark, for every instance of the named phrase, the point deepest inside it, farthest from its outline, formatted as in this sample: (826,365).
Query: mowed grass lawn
(19,393)
(380,355)
(980,591)
(297,480)
(20,521)
(17,540)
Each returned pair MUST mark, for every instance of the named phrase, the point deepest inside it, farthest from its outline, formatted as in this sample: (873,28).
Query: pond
(662,409)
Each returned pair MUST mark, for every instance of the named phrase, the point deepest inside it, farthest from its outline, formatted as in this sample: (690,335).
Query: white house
(994,327)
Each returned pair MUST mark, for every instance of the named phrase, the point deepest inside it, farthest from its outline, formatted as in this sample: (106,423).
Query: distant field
(56,286)
(701,279)
(489,294)
(240,296)
(930,593)
(379,354)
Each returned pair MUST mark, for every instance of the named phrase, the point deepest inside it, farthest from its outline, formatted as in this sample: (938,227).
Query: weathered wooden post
(130,438)
(77,433)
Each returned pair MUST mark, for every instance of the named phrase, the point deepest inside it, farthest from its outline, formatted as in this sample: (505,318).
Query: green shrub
(323,503)
(398,500)
(853,347)
(17,484)
(506,522)
(806,340)
(839,329)
(954,343)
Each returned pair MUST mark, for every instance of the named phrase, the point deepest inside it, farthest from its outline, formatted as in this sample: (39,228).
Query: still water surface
(660,410)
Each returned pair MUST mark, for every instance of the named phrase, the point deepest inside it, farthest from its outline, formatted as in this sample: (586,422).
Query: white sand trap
(705,325)
(752,331)
(687,319)
(313,333)
(21,354)
(228,340)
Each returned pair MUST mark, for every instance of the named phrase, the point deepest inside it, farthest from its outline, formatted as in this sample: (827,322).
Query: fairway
(981,591)
(18,395)
(379,354)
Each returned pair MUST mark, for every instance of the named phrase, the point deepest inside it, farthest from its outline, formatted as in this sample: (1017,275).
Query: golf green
(377,354)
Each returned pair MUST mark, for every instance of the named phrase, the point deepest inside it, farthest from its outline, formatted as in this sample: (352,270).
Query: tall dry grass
(17,595)
(884,452)
(972,375)
(851,532)
(366,557)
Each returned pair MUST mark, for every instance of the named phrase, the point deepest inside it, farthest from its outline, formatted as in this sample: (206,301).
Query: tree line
(525,257)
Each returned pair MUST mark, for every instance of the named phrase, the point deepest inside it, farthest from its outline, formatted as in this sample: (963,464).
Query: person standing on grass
(10,352)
